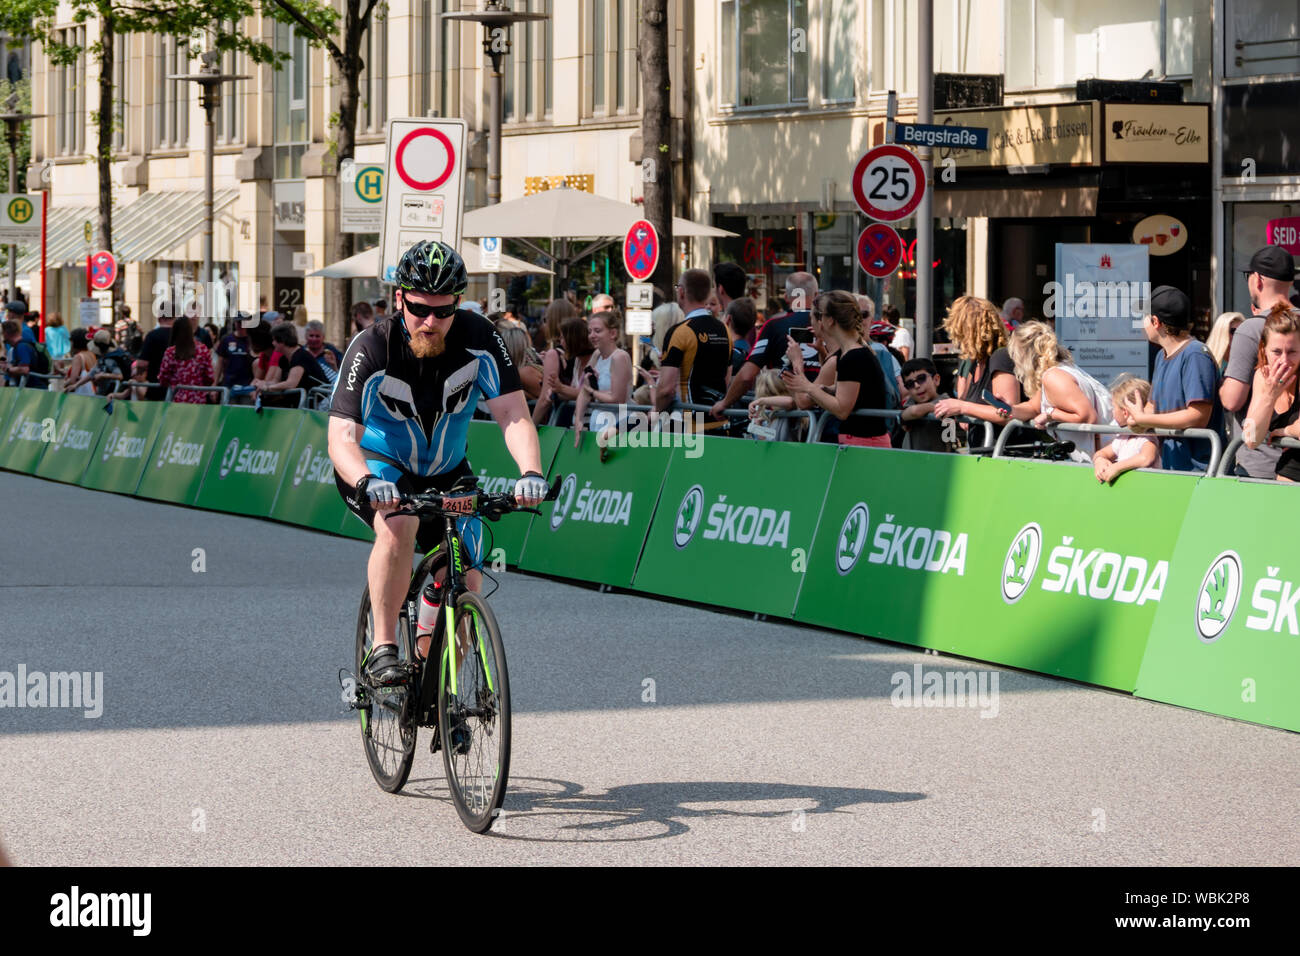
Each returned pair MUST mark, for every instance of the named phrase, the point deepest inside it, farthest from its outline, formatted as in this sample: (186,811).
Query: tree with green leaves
(194,22)
(341,35)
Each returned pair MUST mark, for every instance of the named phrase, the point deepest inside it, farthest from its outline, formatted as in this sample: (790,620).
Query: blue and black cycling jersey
(415,411)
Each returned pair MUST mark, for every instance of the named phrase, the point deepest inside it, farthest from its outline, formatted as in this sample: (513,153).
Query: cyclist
(399,418)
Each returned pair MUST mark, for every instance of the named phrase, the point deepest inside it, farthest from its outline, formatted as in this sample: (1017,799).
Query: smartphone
(996,402)
(803,335)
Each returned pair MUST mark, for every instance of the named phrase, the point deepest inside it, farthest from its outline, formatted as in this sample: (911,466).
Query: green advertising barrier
(1226,638)
(76,433)
(7,395)
(120,455)
(497,472)
(32,425)
(1027,564)
(737,522)
(249,460)
(595,528)
(180,455)
(894,547)
(308,495)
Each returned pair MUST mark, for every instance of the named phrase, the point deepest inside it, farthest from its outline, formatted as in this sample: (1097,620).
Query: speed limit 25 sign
(888,183)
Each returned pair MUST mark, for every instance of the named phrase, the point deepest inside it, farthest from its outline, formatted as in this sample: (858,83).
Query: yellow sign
(88,231)
(1054,134)
(1156,133)
(21,209)
(539,184)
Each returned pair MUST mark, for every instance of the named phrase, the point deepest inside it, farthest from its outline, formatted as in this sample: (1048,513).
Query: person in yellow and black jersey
(696,365)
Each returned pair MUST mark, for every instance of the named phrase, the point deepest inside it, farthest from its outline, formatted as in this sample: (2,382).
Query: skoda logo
(853,537)
(164,451)
(689,513)
(564,501)
(109,444)
(1217,599)
(1021,562)
(304,462)
(228,459)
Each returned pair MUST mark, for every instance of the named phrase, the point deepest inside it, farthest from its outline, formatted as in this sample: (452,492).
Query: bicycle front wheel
(474,717)
(387,713)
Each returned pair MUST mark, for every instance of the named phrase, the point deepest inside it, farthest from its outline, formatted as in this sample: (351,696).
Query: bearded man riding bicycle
(399,419)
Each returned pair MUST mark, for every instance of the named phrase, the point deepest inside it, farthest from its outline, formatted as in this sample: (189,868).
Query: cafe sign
(1156,133)
(1053,134)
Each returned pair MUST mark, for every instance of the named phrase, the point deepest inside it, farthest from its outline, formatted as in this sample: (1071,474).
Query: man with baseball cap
(17,310)
(1183,390)
(1269,278)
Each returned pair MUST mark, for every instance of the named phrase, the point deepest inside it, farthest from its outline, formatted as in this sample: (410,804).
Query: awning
(1039,202)
(569,213)
(143,231)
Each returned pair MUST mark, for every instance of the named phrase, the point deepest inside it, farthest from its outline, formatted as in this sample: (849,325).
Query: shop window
(1054,43)
(840,47)
(765,52)
(1262,37)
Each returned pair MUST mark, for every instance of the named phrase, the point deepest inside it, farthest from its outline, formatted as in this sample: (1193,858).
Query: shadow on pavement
(544,810)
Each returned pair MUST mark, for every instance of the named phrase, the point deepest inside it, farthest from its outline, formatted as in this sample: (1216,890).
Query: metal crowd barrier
(1052,428)
(824,419)
(1229,460)
(218,389)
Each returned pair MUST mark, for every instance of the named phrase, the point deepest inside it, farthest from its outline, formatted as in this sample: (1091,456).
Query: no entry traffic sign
(423,185)
(880,250)
(888,183)
(641,250)
(103,271)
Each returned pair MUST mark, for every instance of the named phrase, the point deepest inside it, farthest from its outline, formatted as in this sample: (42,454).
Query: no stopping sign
(888,183)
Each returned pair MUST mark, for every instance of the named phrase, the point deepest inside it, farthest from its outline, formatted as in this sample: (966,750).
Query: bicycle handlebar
(471,503)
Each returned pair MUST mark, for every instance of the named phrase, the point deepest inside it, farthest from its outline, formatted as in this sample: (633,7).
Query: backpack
(42,364)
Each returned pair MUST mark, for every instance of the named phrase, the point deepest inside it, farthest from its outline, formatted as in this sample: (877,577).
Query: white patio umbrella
(365,265)
(562,214)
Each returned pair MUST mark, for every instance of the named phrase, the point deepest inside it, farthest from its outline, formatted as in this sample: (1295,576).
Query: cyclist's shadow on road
(560,811)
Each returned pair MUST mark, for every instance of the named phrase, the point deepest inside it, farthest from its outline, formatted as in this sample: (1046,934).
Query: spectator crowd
(821,357)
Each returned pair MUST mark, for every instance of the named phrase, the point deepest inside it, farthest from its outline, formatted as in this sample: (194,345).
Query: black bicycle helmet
(432,267)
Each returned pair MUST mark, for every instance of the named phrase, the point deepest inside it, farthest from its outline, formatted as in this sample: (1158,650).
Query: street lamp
(13,120)
(209,79)
(497,21)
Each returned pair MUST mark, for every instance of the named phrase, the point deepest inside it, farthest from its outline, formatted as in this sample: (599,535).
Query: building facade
(773,102)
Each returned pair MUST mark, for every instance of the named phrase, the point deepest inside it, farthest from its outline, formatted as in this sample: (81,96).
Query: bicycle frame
(453,587)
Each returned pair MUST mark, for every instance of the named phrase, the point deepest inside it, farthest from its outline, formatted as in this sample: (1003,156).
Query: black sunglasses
(913,382)
(420,311)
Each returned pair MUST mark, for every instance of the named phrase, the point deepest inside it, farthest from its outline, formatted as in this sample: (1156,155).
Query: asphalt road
(223,740)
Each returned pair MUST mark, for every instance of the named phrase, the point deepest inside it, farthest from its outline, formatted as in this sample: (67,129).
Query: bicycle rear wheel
(477,755)
(387,713)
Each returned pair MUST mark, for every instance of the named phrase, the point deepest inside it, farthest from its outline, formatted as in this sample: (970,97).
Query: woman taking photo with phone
(850,378)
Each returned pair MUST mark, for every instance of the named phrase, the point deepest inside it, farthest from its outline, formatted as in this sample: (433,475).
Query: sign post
(888,183)
(880,250)
(641,250)
(362,198)
(423,187)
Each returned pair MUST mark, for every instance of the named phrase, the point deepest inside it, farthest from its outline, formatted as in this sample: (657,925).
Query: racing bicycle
(461,692)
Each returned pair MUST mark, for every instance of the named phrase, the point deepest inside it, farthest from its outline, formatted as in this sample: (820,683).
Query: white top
(1126,446)
(599,417)
(1085,445)
(903,340)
